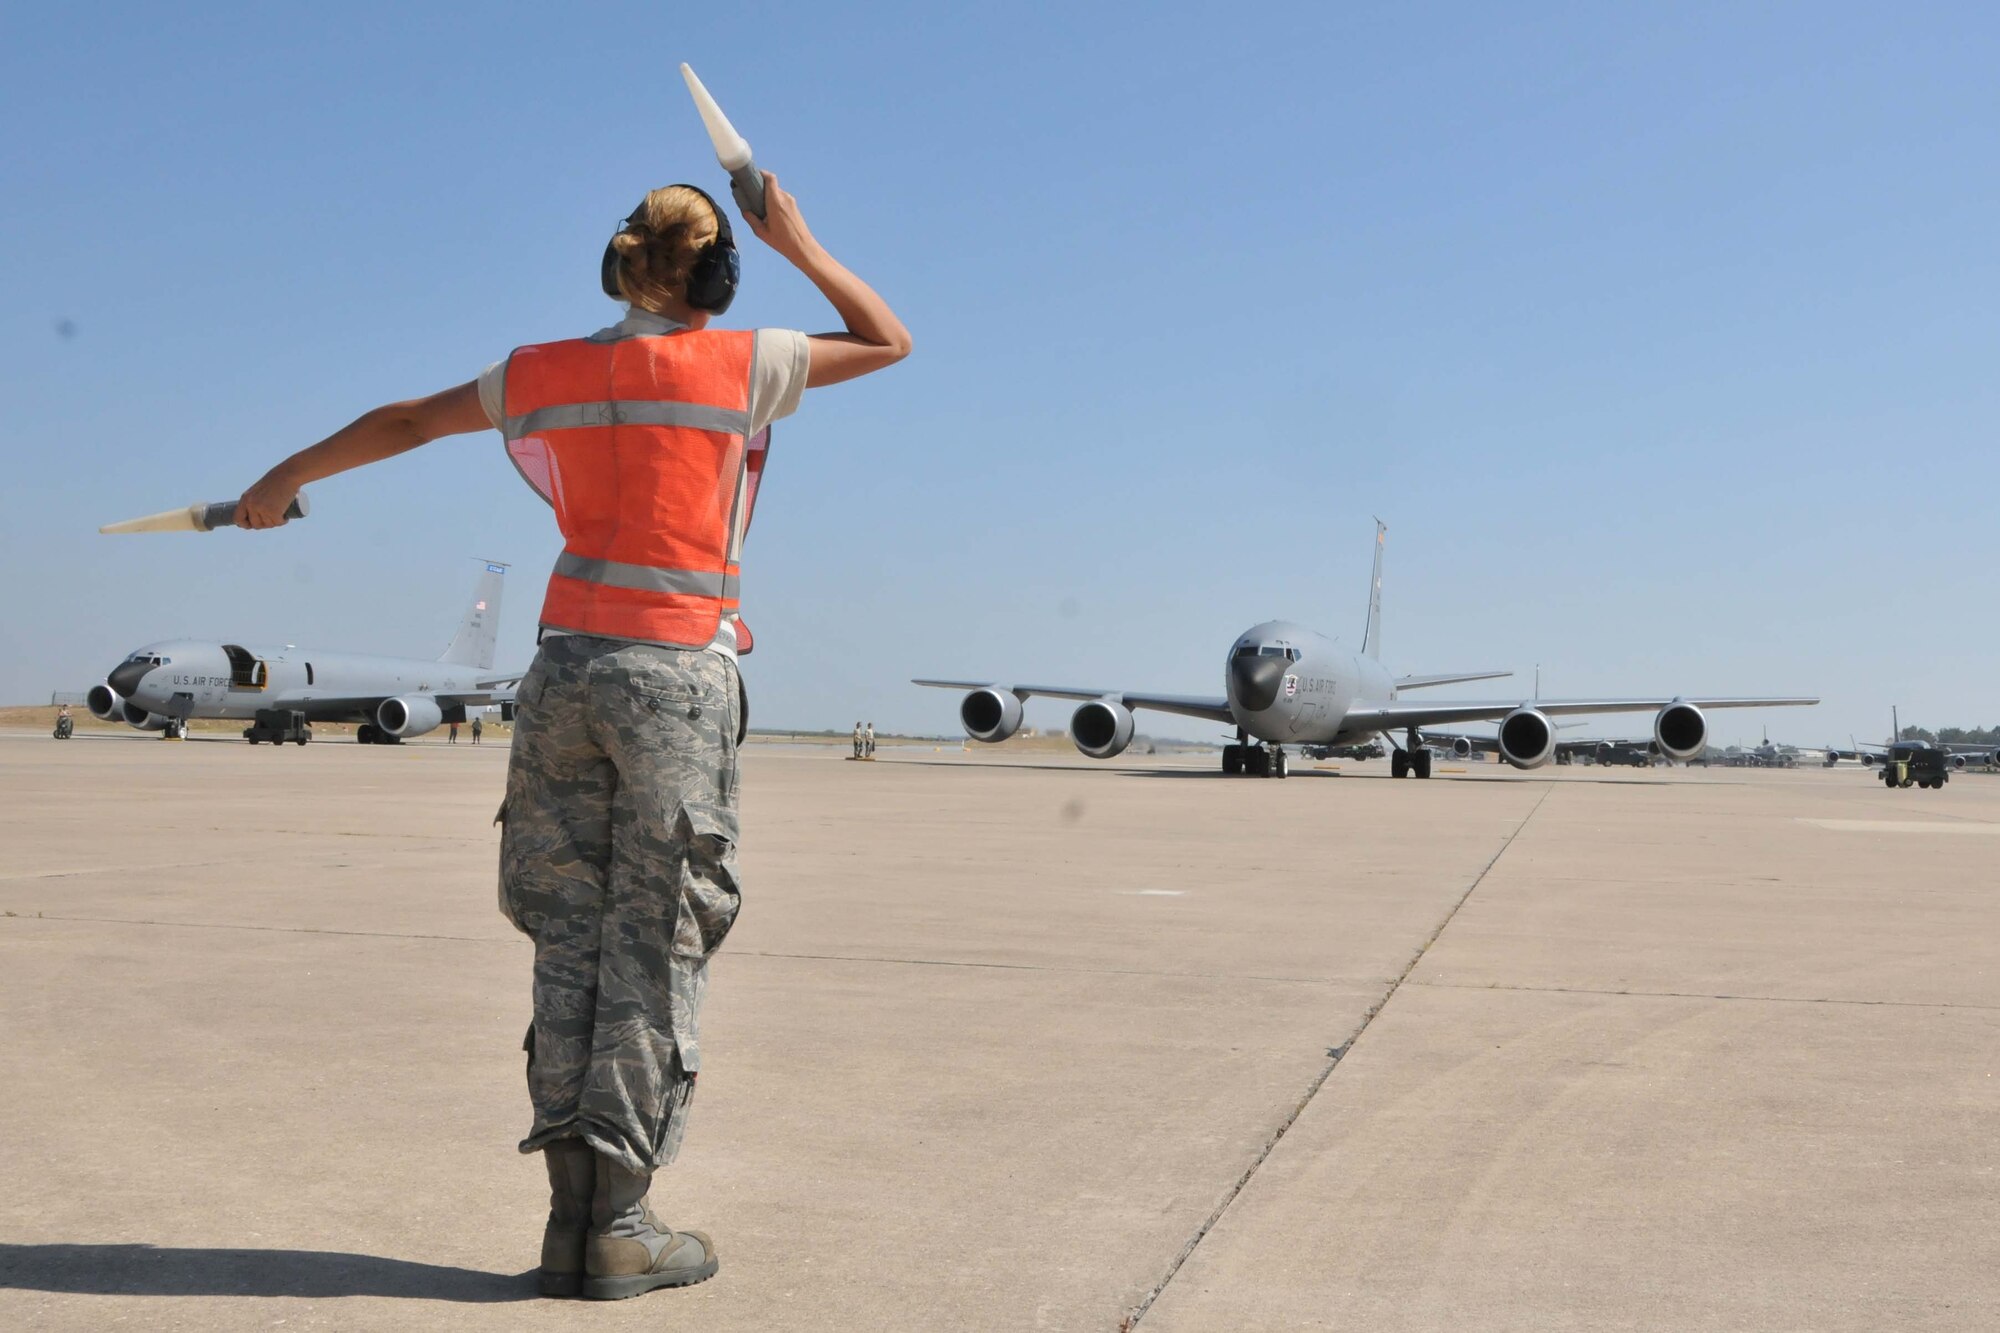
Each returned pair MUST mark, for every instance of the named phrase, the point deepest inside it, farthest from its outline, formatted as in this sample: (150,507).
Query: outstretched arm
(875,338)
(389,430)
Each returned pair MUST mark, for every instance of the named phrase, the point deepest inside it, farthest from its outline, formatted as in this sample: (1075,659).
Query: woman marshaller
(618,852)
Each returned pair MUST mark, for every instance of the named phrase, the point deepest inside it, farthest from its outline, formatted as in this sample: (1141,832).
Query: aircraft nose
(1254,681)
(126,676)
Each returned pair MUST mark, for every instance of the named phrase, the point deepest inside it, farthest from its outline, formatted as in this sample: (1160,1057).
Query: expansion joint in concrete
(1334,1056)
(1699,995)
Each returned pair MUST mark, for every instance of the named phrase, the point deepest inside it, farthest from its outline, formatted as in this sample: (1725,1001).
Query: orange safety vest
(638,444)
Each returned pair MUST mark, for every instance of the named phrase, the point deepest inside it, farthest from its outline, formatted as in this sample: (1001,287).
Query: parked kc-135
(159,687)
(1287,685)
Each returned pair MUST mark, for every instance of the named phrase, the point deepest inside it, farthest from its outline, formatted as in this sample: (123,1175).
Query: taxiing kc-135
(160,686)
(1287,685)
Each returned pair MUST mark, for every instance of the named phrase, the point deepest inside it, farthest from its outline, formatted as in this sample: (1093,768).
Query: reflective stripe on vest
(646,578)
(639,446)
(579,416)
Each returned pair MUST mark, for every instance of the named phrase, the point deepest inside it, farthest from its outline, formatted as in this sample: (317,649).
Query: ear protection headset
(712,278)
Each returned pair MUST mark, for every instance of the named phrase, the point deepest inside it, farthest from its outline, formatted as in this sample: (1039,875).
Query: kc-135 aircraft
(1287,685)
(160,686)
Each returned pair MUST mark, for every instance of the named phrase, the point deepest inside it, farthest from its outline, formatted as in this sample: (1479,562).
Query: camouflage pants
(618,859)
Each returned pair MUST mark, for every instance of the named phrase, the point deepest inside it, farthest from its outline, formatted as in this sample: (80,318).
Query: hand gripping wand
(746,182)
(198,517)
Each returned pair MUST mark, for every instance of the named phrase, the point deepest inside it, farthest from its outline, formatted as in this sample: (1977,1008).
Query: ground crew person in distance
(618,855)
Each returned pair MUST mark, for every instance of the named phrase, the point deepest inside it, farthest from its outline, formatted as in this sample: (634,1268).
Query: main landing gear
(1414,760)
(1257,761)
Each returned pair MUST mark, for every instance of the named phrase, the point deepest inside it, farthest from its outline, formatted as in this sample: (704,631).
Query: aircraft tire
(1399,764)
(1422,763)
(365,734)
(1232,761)
(1277,765)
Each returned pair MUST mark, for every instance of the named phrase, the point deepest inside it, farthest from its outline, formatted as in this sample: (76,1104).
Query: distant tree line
(1955,735)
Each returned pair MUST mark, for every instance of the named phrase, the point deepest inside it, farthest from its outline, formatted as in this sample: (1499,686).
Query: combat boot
(631,1251)
(572,1187)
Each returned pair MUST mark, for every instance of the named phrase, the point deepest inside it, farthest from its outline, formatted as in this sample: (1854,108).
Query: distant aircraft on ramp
(1287,685)
(162,685)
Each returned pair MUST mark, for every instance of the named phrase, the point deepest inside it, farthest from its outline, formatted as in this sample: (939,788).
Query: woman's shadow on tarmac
(150,1270)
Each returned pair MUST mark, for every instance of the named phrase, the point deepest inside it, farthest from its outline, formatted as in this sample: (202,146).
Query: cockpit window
(1269,650)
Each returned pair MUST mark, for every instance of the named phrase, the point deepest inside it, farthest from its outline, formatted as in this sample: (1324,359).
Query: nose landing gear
(1258,761)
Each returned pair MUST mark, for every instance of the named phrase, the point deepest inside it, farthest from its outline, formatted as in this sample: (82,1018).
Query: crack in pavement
(110,870)
(273,930)
(1348,982)
(1334,1056)
(1701,995)
(1047,967)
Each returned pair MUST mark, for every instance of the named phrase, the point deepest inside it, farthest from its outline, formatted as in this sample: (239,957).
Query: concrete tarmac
(1019,1045)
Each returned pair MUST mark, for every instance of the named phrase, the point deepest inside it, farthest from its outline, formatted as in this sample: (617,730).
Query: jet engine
(1958,763)
(410,716)
(1680,731)
(1461,748)
(1101,728)
(104,704)
(1527,738)
(991,715)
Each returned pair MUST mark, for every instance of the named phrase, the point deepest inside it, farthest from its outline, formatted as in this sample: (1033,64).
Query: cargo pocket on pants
(706,908)
(710,895)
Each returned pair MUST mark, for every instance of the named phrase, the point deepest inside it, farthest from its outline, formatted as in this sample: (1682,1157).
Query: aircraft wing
(1395,716)
(342,708)
(1458,678)
(1213,708)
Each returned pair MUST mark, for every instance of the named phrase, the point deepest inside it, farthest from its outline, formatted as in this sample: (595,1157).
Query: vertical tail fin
(473,645)
(1371,637)
(1895,725)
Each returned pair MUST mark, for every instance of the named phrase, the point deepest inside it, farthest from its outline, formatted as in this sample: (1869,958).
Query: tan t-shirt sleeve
(493,392)
(778,364)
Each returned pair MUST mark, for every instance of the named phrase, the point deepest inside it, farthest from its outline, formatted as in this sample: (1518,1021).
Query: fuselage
(1290,685)
(192,679)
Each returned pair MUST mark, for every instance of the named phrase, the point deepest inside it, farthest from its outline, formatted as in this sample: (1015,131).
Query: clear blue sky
(1665,338)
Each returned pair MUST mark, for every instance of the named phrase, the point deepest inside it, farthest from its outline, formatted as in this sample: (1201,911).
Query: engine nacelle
(1101,728)
(1461,748)
(1958,763)
(409,716)
(1680,731)
(991,715)
(1527,738)
(105,704)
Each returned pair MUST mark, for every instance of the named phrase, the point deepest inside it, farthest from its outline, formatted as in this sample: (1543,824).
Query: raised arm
(875,338)
(392,429)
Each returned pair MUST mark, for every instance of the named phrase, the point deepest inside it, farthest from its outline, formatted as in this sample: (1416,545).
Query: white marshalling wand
(198,517)
(746,182)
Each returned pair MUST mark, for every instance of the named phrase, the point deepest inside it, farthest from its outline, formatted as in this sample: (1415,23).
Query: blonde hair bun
(659,247)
